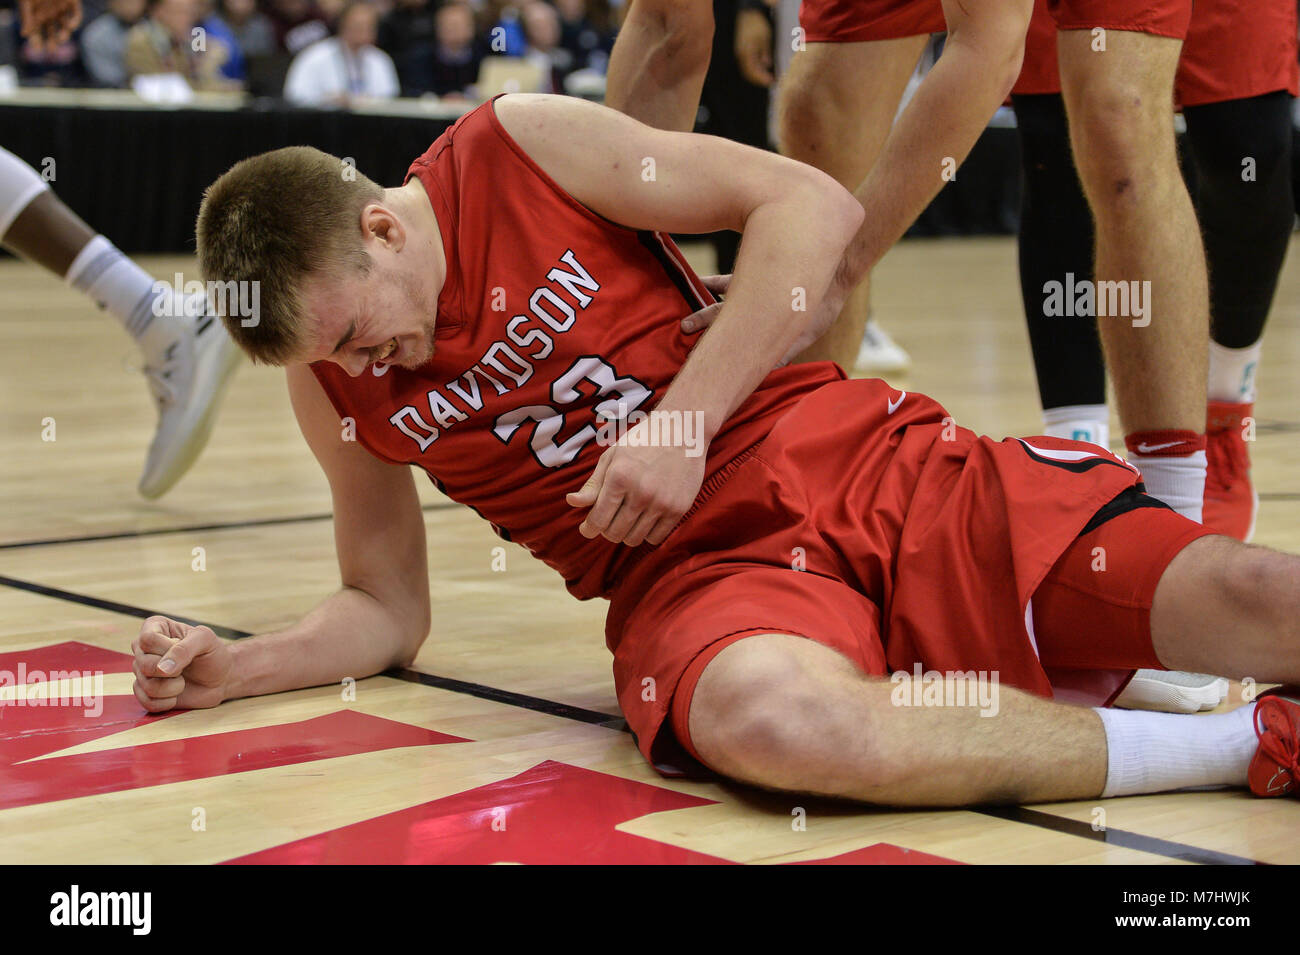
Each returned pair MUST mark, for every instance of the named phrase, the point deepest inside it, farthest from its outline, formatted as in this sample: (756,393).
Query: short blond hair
(275,219)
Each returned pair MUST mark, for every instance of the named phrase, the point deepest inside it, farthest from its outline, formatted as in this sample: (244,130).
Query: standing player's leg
(784,712)
(1055,247)
(188,356)
(1242,152)
(837,103)
(657,66)
(1119,103)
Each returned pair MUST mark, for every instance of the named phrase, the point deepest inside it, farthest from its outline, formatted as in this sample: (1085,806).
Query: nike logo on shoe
(893,405)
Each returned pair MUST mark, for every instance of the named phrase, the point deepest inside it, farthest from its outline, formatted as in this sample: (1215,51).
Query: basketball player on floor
(188,356)
(1236,80)
(839,99)
(505,315)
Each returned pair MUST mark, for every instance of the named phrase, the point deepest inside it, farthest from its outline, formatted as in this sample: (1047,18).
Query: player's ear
(380,224)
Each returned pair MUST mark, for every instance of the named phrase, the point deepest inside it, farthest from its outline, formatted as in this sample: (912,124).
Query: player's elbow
(992,39)
(838,211)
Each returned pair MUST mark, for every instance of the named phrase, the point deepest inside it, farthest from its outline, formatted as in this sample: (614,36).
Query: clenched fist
(178,666)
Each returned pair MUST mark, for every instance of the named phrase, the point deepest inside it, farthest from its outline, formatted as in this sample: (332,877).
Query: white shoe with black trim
(187,380)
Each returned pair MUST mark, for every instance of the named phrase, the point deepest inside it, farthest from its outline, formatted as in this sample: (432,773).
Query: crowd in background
(325,52)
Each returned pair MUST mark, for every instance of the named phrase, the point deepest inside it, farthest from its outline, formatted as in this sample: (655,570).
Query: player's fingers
(642,528)
(159,688)
(717,284)
(589,492)
(149,703)
(701,319)
(602,513)
(662,529)
(628,516)
(153,640)
(182,653)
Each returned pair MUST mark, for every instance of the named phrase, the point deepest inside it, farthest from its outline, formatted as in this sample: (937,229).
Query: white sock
(127,291)
(1178,481)
(1160,752)
(1232,372)
(1089,423)
(19,185)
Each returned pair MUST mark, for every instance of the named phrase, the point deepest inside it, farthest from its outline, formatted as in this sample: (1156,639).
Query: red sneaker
(1275,770)
(1230,500)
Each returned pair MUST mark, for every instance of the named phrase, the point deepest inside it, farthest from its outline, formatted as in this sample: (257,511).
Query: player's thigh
(838,101)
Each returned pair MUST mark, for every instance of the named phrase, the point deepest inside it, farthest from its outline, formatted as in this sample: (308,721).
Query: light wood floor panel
(953,304)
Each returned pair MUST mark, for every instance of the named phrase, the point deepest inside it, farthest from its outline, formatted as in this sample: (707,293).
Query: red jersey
(552,319)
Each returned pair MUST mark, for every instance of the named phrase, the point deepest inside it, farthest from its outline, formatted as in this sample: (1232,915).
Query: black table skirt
(137,175)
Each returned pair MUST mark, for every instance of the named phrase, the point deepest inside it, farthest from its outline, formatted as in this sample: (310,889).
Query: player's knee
(1123,140)
(806,115)
(761,714)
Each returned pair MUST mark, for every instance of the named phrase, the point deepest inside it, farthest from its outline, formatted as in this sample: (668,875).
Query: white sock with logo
(117,284)
(1232,373)
(1160,752)
(1089,423)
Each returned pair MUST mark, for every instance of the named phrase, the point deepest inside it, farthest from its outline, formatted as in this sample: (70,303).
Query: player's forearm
(932,137)
(789,254)
(349,634)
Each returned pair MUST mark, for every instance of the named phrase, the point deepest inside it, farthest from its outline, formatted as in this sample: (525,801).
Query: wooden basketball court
(503,743)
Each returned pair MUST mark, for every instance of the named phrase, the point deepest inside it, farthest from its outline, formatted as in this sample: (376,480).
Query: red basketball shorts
(870,522)
(859,21)
(1233,49)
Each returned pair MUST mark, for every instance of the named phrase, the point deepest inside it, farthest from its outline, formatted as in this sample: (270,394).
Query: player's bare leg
(838,101)
(784,712)
(657,66)
(1121,127)
(188,356)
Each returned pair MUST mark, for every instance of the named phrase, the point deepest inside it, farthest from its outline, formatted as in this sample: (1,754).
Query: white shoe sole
(196,432)
(1153,690)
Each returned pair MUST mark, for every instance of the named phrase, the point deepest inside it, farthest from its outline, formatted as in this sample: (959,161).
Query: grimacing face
(359,319)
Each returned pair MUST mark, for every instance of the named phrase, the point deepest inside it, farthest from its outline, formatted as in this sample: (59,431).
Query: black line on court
(1115,837)
(1031,817)
(191,528)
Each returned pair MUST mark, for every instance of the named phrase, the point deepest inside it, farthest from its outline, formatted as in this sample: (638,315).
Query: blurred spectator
(587,44)
(298,24)
(335,71)
(215,28)
(408,34)
(103,42)
(457,54)
(542,32)
(505,33)
(165,41)
(253,32)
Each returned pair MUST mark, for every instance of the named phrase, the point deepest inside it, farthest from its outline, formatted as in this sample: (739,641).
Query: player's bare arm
(980,62)
(377,619)
(796,223)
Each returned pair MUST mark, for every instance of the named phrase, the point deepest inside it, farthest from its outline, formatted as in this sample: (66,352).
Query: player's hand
(178,666)
(49,23)
(638,493)
(827,311)
(753,47)
(698,321)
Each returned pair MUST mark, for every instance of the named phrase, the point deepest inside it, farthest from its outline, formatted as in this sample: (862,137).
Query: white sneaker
(880,353)
(187,381)
(1170,691)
